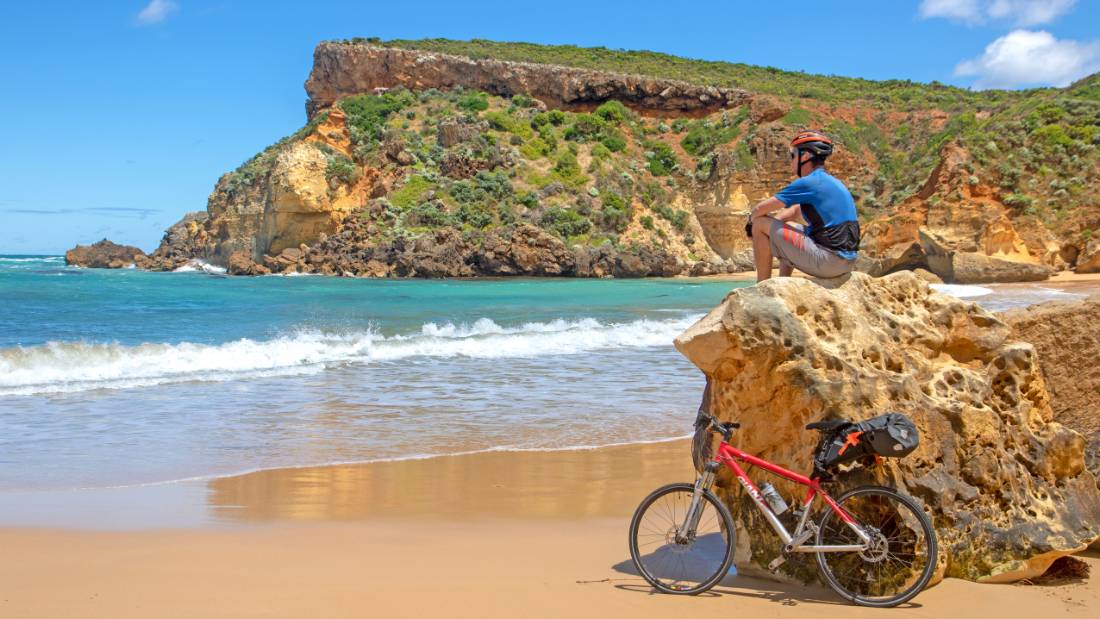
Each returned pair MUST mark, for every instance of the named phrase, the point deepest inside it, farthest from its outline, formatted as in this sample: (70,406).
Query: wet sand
(535,534)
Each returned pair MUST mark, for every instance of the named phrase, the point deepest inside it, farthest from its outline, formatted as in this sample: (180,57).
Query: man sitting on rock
(827,245)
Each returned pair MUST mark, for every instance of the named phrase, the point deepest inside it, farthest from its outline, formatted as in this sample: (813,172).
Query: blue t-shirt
(828,208)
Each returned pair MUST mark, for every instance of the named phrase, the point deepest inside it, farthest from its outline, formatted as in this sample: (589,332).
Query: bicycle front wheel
(897,563)
(671,561)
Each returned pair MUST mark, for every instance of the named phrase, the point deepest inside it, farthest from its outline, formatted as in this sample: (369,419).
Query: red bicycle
(874,546)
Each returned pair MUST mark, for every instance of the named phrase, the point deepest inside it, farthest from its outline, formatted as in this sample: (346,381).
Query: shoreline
(1059,277)
(491,534)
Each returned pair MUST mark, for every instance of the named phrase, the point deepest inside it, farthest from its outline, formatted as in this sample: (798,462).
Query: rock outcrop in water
(1066,335)
(1005,483)
(104,255)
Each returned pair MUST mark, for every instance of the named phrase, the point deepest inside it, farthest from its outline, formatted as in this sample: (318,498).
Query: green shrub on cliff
(1053,135)
(476,215)
(613,111)
(703,137)
(613,141)
(614,212)
(797,117)
(411,193)
(676,217)
(565,222)
(426,215)
(661,161)
(367,114)
(585,127)
(503,121)
(473,101)
(568,170)
(340,168)
(535,149)
(743,160)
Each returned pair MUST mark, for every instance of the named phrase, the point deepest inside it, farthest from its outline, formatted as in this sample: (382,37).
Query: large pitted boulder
(103,255)
(1006,485)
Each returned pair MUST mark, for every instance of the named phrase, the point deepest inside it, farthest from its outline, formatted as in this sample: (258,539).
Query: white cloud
(156,11)
(1025,57)
(1021,12)
(969,11)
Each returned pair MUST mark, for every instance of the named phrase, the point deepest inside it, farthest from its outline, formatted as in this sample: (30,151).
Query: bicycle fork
(685,533)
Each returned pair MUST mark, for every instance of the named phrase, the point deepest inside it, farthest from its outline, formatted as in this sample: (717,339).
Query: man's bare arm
(765,207)
(789,213)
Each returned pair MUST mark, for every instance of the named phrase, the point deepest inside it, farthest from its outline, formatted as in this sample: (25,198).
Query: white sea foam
(61,367)
(41,259)
(961,291)
(195,265)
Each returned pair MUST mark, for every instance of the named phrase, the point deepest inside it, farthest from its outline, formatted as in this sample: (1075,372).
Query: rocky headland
(444,158)
(1004,428)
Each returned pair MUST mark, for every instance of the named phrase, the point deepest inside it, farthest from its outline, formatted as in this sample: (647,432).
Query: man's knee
(762,225)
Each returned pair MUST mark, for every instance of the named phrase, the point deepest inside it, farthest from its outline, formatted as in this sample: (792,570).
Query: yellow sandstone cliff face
(302,203)
(956,228)
(1066,336)
(290,200)
(1005,483)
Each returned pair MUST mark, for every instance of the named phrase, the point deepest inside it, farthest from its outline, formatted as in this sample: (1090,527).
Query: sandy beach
(537,534)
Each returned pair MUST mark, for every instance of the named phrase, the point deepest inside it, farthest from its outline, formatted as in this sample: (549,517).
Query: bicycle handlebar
(725,429)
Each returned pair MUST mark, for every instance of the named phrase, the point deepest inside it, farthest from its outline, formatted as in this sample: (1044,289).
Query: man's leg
(794,249)
(761,247)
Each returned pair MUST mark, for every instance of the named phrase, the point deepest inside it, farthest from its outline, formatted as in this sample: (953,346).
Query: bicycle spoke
(892,565)
(674,564)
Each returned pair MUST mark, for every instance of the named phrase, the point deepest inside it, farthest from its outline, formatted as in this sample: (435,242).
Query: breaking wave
(32,259)
(63,367)
(961,291)
(198,266)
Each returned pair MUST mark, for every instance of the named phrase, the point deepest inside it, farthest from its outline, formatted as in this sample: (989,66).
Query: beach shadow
(734,584)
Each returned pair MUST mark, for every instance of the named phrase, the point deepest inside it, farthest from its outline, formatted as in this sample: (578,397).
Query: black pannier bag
(891,435)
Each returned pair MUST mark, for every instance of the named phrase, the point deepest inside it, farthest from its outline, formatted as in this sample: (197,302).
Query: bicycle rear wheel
(684,566)
(898,562)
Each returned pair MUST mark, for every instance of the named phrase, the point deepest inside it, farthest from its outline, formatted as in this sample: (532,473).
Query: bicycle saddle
(827,425)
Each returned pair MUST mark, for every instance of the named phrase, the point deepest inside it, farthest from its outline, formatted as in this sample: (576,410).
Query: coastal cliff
(445,158)
(342,70)
(1002,473)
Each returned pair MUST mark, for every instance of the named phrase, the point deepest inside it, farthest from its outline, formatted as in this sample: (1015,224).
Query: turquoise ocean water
(120,377)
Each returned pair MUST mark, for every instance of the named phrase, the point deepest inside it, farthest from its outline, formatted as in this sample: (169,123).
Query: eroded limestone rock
(103,255)
(1089,260)
(1006,484)
(1066,335)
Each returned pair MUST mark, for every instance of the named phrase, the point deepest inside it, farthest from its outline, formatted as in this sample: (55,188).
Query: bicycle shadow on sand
(733,583)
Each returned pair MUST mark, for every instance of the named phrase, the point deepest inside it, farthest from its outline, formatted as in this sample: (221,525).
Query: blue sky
(118,117)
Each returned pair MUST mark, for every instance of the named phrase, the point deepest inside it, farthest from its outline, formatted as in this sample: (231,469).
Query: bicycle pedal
(776,563)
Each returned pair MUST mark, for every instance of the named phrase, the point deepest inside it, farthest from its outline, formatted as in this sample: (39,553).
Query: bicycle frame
(792,541)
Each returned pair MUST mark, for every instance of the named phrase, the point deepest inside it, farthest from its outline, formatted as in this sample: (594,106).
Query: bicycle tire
(726,532)
(927,535)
